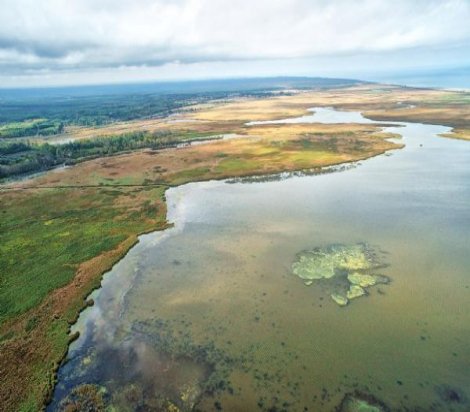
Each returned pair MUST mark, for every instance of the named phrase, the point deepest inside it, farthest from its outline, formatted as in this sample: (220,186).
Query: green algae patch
(325,263)
(346,269)
(339,299)
(365,280)
(362,402)
(355,292)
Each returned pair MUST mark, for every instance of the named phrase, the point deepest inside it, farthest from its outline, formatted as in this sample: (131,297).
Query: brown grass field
(378,102)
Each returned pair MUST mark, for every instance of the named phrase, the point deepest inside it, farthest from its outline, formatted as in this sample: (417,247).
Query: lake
(208,315)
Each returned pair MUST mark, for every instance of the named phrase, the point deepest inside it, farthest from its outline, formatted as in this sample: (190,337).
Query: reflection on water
(274,177)
(209,316)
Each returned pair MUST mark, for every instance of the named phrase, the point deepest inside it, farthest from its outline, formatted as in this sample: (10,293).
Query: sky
(73,42)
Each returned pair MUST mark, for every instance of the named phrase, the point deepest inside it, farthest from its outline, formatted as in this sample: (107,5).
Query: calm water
(208,313)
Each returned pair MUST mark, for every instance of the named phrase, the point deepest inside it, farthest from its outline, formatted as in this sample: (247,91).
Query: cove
(208,315)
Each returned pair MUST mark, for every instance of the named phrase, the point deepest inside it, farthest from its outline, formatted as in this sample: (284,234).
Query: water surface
(208,313)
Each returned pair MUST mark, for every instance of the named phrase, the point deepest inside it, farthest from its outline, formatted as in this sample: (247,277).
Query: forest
(18,158)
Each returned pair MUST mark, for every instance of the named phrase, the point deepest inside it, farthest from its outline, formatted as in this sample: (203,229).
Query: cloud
(84,34)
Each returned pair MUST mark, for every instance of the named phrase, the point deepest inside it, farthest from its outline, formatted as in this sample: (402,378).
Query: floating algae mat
(348,269)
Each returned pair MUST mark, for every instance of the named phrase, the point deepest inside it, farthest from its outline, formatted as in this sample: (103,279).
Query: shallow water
(319,115)
(211,305)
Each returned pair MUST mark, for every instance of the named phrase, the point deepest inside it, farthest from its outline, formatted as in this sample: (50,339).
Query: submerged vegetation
(85,397)
(183,371)
(347,267)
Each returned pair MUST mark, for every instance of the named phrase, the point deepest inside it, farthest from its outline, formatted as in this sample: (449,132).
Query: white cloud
(86,34)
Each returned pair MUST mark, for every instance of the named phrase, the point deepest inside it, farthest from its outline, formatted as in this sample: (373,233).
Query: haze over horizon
(55,42)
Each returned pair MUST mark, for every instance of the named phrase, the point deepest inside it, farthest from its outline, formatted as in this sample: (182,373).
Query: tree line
(26,157)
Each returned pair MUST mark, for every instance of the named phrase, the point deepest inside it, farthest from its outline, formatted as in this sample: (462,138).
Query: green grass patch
(189,175)
(45,235)
(237,164)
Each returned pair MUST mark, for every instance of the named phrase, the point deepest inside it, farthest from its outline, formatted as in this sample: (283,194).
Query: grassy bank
(55,245)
